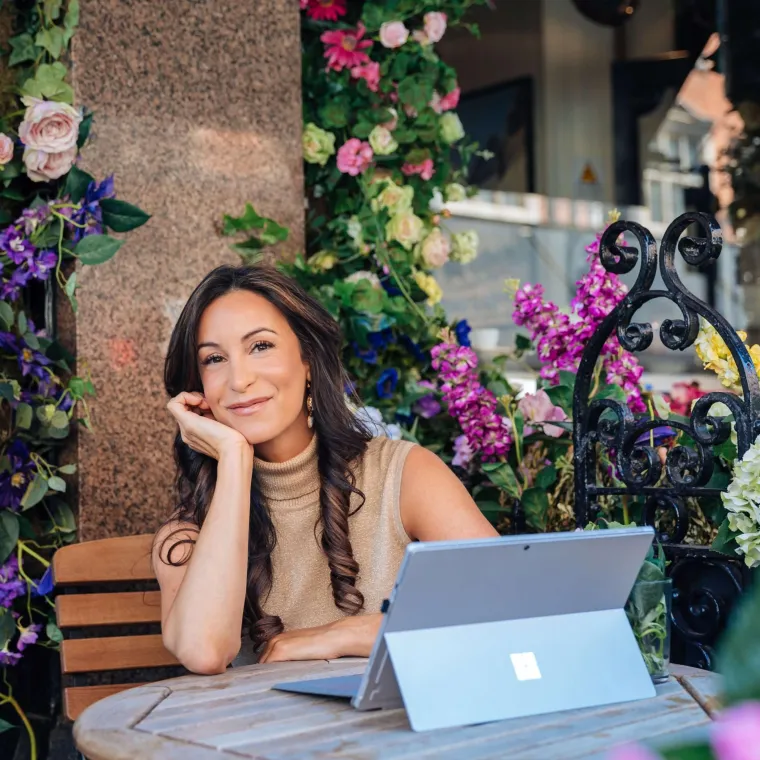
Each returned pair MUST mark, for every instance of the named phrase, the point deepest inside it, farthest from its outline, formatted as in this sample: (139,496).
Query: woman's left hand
(349,637)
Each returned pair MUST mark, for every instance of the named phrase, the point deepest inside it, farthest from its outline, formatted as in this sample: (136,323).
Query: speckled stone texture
(198,110)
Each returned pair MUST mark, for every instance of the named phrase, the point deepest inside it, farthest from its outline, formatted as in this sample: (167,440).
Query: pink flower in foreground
(304,4)
(435,25)
(537,408)
(345,49)
(425,169)
(370,73)
(450,100)
(354,156)
(632,752)
(325,10)
(735,735)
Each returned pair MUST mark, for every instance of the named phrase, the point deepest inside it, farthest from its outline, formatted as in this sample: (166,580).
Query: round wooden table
(237,715)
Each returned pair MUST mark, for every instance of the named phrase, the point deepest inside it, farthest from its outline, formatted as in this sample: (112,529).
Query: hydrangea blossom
(742,502)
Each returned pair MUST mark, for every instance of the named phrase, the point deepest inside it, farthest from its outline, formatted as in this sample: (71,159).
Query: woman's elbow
(203,658)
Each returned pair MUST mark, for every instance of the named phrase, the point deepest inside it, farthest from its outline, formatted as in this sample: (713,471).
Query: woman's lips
(248,409)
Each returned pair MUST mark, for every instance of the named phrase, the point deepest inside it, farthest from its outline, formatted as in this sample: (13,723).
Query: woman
(292,520)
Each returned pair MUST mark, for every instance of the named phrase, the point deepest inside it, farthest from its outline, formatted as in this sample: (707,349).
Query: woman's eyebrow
(256,331)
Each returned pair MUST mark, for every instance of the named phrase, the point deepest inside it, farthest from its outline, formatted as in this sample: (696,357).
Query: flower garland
(52,215)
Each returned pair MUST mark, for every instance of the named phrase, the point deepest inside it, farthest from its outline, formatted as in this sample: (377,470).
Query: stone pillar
(197,110)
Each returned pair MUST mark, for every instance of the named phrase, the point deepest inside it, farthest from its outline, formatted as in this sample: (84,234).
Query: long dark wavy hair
(341,441)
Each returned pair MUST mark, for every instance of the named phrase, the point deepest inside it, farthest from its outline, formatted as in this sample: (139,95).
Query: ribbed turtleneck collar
(292,484)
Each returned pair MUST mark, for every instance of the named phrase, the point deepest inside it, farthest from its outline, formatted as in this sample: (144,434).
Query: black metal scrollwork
(687,470)
(705,584)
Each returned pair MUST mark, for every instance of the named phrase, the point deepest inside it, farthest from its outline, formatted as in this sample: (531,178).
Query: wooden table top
(236,715)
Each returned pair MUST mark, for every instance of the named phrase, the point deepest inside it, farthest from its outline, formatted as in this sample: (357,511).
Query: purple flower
(13,482)
(15,245)
(472,405)
(11,586)
(463,452)
(11,290)
(31,363)
(736,733)
(28,636)
(8,341)
(89,213)
(9,658)
(427,406)
(462,331)
(41,265)
(386,383)
(31,218)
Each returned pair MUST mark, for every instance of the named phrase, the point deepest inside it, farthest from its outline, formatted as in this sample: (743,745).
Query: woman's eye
(213,359)
(261,345)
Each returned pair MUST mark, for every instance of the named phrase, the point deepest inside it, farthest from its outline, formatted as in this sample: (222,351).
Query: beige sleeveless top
(301,594)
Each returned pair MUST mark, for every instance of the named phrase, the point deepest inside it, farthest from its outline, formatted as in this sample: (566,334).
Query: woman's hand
(200,430)
(350,637)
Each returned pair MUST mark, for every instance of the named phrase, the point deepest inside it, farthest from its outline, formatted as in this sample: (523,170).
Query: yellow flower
(428,285)
(511,286)
(321,261)
(715,356)
(318,144)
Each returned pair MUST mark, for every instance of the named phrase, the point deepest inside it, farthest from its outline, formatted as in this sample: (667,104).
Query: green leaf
(32,341)
(23,49)
(71,285)
(63,517)
(68,469)
(249,220)
(503,476)
(535,502)
(51,39)
(8,534)
(24,416)
(21,321)
(77,182)
(121,216)
(7,627)
(71,20)
(6,391)
(561,396)
(6,315)
(57,484)
(48,83)
(725,540)
(97,249)
(492,510)
(35,492)
(52,9)
(373,16)
(60,420)
(415,91)
(546,477)
(615,392)
(738,659)
(84,129)
(54,632)
(5,726)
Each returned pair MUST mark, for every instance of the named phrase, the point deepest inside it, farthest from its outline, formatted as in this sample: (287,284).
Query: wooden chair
(108,588)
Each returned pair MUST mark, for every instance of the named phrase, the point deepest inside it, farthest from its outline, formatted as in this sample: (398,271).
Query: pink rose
(419,36)
(736,733)
(43,167)
(435,249)
(370,73)
(354,156)
(6,149)
(49,126)
(538,408)
(426,169)
(435,25)
(450,100)
(393,34)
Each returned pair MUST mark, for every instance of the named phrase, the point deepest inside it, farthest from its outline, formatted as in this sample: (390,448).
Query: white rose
(435,25)
(381,141)
(434,249)
(49,126)
(393,34)
(6,149)
(396,198)
(43,167)
(405,228)
(464,248)
(371,277)
(455,192)
(451,127)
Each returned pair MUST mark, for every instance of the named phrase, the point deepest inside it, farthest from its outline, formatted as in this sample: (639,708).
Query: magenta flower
(325,10)
(345,49)
(354,156)
(736,733)
(463,452)
(425,169)
(473,406)
(370,73)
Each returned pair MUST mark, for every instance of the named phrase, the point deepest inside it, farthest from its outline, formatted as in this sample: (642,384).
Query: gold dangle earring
(309,407)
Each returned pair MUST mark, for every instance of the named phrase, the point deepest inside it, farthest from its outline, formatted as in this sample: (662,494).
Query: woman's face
(253,376)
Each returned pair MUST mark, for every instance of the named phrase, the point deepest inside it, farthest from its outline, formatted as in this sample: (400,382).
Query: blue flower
(390,289)
(386,383)
(45,584)
(380,339)
(367,355)
(462,331)
(414,349)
